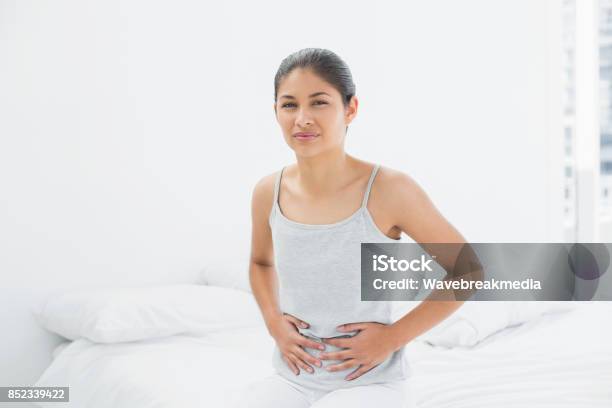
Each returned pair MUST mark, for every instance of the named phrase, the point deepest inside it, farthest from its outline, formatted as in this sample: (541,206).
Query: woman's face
(309,105)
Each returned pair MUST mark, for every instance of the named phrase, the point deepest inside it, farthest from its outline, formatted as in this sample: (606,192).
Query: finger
(352,327)
(296,321)
(307,357)
(342,366)
(291,365)
(358,372)
(297,360)
(342,343)
(306,342)
(336,355)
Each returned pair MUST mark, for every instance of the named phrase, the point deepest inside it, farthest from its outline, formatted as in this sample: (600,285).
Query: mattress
(558,360)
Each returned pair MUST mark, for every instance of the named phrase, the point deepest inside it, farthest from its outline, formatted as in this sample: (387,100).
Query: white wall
(132,132)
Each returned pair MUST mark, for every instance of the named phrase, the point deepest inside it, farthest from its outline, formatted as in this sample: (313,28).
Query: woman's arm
(262,275)
(415,214)
(264,284)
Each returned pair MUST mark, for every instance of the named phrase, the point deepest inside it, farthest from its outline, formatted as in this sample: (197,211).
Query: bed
(561,359)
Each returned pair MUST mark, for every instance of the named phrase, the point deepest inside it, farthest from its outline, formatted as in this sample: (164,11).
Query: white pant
(275,391)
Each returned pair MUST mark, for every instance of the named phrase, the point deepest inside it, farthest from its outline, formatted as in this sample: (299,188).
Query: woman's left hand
(372,345)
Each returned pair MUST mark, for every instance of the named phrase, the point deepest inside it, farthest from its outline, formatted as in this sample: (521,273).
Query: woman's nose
(303,120)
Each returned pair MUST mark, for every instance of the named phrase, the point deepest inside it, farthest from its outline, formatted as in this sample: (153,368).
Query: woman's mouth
(305,135)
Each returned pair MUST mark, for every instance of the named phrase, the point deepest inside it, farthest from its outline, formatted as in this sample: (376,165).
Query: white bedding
(559,360)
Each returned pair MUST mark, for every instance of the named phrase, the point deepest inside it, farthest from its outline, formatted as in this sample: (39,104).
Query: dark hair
(325,64)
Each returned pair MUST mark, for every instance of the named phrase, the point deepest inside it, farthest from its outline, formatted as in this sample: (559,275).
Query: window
(605,95)
(569,100)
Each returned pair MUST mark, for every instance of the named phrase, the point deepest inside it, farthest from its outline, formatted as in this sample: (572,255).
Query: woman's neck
(325,173)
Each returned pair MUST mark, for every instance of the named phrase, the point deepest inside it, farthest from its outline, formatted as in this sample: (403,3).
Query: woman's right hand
(290,341)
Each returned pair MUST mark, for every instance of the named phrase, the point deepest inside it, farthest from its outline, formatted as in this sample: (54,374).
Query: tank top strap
(277,186)
(367,193)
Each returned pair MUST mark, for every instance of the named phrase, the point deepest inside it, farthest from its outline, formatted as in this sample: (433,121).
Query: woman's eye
(291,104)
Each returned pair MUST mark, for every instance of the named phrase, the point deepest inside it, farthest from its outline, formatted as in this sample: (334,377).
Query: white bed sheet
(560,360)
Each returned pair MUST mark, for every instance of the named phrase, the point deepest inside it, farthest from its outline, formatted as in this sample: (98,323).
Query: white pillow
(232,272)
(475,321)
(113,315)
(59,348)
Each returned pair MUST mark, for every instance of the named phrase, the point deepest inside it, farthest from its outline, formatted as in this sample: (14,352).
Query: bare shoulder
(399,200)
(395,187)
(263,193)
(389,200)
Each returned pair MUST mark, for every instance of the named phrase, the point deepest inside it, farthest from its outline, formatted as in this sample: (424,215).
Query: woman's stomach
(324,315)
(392,369)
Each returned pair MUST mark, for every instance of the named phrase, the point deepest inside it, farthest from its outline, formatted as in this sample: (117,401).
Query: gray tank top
(319,276)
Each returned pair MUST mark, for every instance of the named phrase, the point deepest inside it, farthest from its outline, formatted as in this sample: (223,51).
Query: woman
(309,219)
